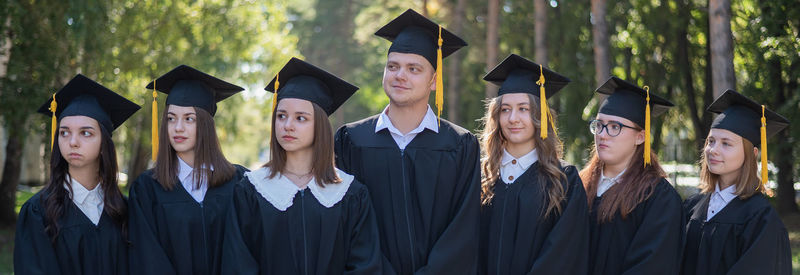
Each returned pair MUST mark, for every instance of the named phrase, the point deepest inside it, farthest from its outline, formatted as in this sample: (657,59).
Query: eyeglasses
(613,128)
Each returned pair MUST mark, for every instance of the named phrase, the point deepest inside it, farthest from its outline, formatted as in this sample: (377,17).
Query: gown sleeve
(456,250)
(656,246)
(146,254)
(241,230)
(569,236)
(768,250)
(365,251)
(33,251)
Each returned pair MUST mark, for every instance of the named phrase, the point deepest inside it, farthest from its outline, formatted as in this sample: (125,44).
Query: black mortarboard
(188,87)
(85,97)
(628,100)
(517,74)
(306,81)
(742,116)
(413,33)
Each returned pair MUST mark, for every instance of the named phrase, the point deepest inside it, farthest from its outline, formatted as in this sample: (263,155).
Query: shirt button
(510,177)
(514,162)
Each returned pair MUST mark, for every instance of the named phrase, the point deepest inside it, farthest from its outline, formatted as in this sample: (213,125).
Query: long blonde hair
(748,183)
(549,151)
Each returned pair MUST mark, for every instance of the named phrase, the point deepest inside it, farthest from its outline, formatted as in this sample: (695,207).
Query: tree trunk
(784,159)
(719,21)
(602,66)
(454,68)
(139,155)
(11,174)
(492,26)
(540,27)
(5,48)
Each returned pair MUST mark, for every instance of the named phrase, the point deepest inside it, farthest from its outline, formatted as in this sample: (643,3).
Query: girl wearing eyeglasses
(635,214)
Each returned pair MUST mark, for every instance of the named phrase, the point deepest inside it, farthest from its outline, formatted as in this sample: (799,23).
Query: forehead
(407,59)
(292,105)
(606,118)
(723,134)
(179,110)
(78,121)
(515,98)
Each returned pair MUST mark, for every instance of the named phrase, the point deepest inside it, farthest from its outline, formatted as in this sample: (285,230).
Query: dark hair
(207,154)
(322,146)
(57,197)
(635,186)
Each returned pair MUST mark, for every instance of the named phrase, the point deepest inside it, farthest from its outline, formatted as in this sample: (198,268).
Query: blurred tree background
(688,50)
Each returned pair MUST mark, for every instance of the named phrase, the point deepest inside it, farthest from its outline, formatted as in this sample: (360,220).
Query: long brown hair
(549,152)
(207,154)
(747,184)
(322,146)
(57,197)
(633,188)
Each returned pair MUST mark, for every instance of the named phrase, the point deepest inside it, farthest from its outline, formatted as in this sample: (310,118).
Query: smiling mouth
(179,139)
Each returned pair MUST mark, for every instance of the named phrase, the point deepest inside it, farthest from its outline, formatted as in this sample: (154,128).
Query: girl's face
(724,152)
(294,124)
(516,123)
(618,146)
(182,128)
(79,141)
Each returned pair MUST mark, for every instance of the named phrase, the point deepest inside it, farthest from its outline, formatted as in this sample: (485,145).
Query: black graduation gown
(80,248)
(426,197)
(307,238)
(516,239)
(746,237)
(648,241)
(171,233)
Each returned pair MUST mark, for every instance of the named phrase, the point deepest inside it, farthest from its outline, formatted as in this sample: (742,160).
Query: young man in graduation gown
(636,218)
(731,227)
(421,171)
(178,208)
(77,223)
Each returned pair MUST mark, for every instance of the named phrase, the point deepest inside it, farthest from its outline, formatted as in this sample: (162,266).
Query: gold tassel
(154,125)
(764,170)
(439,77)
(53,121)
(275,93)
(647,128)
(545,110)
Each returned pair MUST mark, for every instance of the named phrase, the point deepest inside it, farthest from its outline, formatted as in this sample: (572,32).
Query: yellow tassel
(53,121)
(545,110)
(647,128)
(764,170)
(275,93)
(439,77)
(154,125)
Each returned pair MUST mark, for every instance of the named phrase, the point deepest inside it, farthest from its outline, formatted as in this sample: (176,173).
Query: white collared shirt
(429,121)
(185,173)
(90,202)
(606,183)
(280,191)
(511,168)
(719,199)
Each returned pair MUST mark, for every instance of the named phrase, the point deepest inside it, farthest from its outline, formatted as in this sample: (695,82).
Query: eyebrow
(81,128)
(185,114)
(518,104)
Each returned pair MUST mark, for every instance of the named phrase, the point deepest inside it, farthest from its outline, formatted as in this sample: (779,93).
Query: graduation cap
(517,74)
(85,97)
(634,103)
(188,87)
(413,33)
(306,81)
(748,119)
